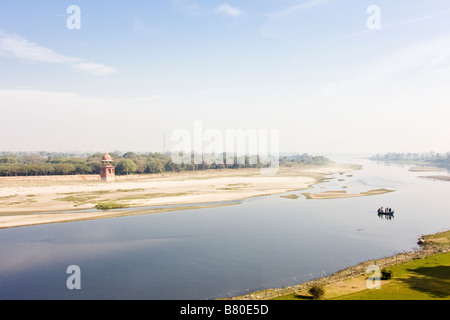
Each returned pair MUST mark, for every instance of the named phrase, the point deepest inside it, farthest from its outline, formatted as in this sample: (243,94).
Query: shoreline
(31,200)
(430,246)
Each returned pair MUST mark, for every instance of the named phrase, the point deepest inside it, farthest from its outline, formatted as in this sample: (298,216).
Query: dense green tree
(172,167)
(154,166)
(8,160)
(64,169)
(126,167)
(130,155)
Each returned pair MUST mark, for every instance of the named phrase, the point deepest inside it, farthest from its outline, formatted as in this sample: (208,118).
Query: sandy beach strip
(28,201)
(344,194)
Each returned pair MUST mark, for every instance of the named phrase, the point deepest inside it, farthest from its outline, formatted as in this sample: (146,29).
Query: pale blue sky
(139,69)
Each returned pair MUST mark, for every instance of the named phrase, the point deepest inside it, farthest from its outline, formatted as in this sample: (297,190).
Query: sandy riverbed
(34,200)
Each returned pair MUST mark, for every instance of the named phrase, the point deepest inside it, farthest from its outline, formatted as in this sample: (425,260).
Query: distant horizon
(169,152)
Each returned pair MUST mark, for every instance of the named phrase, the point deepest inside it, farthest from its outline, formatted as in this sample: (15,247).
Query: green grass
(100,192)
(77,199)
(8,197)
(423,279)
(130,190)
(109,205)
(105,204)
(235,186)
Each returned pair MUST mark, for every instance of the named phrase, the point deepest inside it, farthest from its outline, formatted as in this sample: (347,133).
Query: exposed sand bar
(426,169)
(441,178)
(28,201)
(344,194)
(19,220)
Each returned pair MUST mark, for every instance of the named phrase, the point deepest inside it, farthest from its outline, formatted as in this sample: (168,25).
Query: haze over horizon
(135,71)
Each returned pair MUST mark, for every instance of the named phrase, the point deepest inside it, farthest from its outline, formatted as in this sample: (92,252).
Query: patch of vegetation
(14,203)
(109,205)
(316,291)
(8,197)
(130,190)
(386,274)
(238,184)
(78,199)
(235,186)
(440,241)
(100,192)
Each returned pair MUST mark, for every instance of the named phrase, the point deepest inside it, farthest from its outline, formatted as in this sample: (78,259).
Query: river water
(209,253)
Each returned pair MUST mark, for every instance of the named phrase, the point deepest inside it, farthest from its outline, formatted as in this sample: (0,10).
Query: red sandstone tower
(107,171)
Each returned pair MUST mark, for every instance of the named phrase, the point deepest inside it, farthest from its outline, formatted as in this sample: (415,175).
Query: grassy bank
(421,279)
(425,278)
(417,275)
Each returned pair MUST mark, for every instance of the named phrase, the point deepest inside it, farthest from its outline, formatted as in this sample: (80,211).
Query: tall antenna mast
(164,145)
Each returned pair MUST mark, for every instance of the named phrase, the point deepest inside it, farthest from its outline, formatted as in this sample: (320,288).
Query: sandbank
(426,169)
(344,194)
(441,178)
(36,200)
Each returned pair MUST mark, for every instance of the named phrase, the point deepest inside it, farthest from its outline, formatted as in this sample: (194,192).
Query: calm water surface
(207,253)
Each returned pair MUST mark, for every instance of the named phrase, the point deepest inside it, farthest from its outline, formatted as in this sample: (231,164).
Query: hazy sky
(136,70)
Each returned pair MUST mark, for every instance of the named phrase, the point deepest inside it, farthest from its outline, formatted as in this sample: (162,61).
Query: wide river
(209,253)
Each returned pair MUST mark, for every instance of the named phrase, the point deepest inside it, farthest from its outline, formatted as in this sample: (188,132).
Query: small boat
(384,212)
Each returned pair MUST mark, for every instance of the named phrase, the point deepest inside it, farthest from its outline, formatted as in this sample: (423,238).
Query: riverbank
(351,282)
(36,200)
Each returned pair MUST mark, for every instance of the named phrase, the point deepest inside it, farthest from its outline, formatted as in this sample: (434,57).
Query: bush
(109,205)
(386,274)
(316,291)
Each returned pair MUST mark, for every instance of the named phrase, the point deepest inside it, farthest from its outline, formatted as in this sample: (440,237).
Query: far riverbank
(38,200)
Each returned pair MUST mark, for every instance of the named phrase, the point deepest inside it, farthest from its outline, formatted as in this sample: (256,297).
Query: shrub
(316,291)
(386,274)
(109,205)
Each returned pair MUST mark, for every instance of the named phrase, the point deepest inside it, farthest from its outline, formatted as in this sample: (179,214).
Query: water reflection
(387,216)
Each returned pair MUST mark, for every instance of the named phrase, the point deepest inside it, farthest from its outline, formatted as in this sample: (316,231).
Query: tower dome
(107,158)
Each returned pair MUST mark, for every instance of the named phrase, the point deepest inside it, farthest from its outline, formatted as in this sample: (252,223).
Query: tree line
(424,158)
(44,164)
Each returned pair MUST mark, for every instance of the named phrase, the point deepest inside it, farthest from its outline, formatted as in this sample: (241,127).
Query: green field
(419,279)
(422,279)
